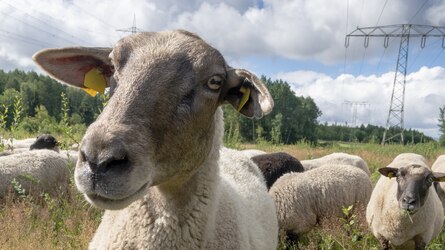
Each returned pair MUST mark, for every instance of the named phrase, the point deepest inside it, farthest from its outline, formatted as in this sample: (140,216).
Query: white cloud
(423,97)
(294,29)
(298,30)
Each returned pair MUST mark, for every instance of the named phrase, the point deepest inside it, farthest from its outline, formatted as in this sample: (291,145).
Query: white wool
(302,199)
(37,171)
(336,158)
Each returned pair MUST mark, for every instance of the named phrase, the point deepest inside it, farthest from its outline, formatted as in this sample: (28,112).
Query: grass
(68,222)
(344,233)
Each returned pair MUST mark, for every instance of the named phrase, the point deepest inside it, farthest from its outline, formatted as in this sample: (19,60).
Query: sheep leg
(383,242)
(419,243)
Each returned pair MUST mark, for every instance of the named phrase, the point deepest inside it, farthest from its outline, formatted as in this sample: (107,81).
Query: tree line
(45,102)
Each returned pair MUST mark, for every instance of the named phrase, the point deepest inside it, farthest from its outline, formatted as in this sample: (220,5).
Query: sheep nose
(105,160)
(409,200)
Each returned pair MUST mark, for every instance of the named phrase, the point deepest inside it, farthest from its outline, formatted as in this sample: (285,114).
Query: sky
(299,41)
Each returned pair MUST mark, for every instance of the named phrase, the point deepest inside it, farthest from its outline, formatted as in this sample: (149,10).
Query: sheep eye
(215,82)
(430,179)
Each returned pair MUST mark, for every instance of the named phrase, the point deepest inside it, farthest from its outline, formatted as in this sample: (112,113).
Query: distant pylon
(404,31)
(355,105)
(133,29)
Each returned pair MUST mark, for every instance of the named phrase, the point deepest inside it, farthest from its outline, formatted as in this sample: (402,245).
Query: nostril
(114,164)
(409,200)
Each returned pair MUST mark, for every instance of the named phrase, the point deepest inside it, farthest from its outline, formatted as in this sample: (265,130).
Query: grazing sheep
(274,165)
(405,209)
(336,158)
(43,141)
(37,171)
(252,152)
(303,199)
(439,166)
(153,158)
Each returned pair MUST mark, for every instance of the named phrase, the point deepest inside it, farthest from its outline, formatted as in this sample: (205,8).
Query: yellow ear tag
(89,91)
(245,98)
(390,175)
(94,81)
(441,179)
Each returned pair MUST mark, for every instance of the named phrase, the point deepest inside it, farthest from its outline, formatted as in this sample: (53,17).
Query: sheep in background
(153,157)
(36,171)
(406,209)
(43,141)
(13,144)
(439,166)
(336,158)
(252,152)
(303,199)
(274,165)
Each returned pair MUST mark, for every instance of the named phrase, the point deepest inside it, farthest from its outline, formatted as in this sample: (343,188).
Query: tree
(442,125)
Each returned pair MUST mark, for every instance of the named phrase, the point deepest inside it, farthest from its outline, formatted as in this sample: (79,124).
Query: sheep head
(163,117)
(413,183)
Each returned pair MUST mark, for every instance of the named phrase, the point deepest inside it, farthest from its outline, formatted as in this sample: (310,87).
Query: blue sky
(300,41)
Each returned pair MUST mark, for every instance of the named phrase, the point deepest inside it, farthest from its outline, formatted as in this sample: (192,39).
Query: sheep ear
(82,67)
(439,176)
(388,172)
(247,94)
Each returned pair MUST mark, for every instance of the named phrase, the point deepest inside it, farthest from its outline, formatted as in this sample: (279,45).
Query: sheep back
(36,171)
(252,152)
(274,165)
(302,199)
(337,158)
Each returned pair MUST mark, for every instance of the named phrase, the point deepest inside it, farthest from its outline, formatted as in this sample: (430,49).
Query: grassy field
(68,222)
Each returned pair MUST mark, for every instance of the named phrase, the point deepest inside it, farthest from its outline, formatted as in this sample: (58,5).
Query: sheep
(43,141)
(439,166)
(252,152)
(15,144)
(303,199)
(154,159)
(36,171)
(274,165)
(336,158)
(405,209)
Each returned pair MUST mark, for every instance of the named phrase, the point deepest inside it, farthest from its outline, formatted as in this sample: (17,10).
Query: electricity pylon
(404,31)
(354,106)
(133,29)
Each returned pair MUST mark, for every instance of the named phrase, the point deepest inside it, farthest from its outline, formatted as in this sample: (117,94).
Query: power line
(381,12)
(105,24)
(46,23)
(25,38)
(35,27)
(418,11)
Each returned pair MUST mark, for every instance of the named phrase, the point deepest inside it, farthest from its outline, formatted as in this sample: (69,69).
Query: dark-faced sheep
(154,158)
(274,165)
(404,207)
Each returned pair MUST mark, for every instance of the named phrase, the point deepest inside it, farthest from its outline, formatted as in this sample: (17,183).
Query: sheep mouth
(116,204)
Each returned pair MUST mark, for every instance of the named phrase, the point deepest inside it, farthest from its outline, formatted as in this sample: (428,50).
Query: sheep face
(413,183)
(162,119)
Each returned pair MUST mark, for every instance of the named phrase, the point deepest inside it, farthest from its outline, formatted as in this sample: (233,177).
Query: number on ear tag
(245,98)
